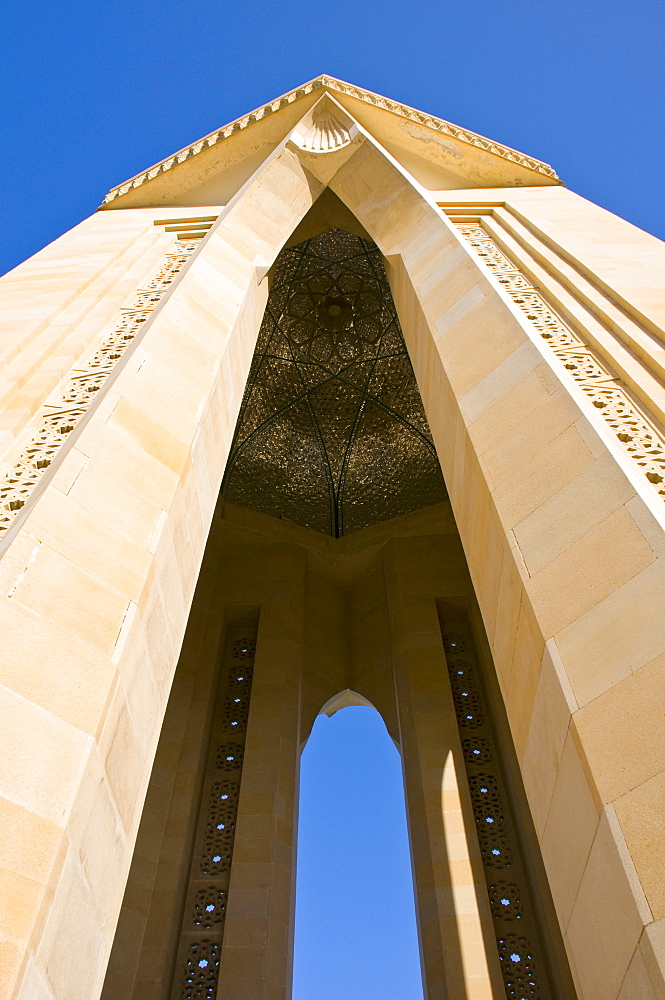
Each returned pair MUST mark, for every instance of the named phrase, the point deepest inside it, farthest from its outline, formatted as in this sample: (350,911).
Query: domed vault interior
(332,433)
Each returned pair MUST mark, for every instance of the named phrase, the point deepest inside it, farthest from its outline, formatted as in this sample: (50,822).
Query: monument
(342,404)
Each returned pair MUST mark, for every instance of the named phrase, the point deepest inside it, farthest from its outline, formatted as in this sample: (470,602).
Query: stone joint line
(632,428)
(58,419)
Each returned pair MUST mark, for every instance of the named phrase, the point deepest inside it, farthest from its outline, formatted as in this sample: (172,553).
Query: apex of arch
(440,155)
(325,128)
(344,699)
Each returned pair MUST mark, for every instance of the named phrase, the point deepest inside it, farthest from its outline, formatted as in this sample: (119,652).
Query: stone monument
(342,404)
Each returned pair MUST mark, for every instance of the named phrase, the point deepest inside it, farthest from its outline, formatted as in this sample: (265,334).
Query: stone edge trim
(339,86)
(634,429)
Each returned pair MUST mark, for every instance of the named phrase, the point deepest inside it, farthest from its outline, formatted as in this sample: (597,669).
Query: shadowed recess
(332,433)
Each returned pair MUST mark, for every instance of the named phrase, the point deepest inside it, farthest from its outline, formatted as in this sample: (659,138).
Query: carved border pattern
(60,418)
(633,429)
(330,83)
(204,912)
(510,904)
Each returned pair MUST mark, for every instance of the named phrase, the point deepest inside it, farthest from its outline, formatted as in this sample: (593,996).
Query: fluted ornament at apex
(325,133)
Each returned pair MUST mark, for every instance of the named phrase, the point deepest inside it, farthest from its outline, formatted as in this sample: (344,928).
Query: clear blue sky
(356,935)
(95,92)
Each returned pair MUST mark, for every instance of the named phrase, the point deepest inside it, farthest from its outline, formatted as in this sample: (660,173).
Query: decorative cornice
(340,87)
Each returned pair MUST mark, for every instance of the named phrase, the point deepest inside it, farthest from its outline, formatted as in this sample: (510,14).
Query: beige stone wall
(55,306)
(563,540)
(564,551)
(97,586)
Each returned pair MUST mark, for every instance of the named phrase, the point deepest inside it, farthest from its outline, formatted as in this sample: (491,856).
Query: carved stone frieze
(59,418)
(633,428)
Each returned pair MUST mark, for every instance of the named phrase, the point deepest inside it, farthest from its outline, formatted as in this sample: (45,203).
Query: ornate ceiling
(332,433)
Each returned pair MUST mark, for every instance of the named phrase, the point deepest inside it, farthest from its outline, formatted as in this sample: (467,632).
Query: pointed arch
(356,928)
(496,404)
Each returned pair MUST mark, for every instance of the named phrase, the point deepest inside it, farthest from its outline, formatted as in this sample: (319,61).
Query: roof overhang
(429,147)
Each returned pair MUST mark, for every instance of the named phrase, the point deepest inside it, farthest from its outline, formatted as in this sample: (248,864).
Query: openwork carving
(636,433)
(207,896)
(244,649)
(229,756)
(332,433)
(455,643)
(339,86)
(477,751)
(465,697)
(518,968)
(495,849)
(505,901)
(201,971)
(220,828)
(209,906)
(486,800)
(509,895)
(60,418)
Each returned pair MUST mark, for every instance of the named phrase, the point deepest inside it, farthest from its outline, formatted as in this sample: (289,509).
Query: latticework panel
(199,951)
(523,969)
(332,433)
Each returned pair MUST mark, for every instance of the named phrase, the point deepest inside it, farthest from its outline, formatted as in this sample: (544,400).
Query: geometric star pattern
(332,433)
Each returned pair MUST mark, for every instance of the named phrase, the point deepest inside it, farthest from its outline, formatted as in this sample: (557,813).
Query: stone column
(258,937)
(457,941)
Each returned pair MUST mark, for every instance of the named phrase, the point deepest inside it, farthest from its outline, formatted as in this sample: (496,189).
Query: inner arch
(356,935)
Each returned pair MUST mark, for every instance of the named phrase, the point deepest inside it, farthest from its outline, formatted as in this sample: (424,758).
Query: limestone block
(126,510)
(71,962)
(619,257)
(96,548)
(599,650)
(552,709)
(524,675)
(71,689)
(652,948)
(41,758)
(93,610)
(116,452)
(640,813)
(572,821)
(622,731)
(34,985)
(637,983)
(580,504)
(605,923)
(598,564)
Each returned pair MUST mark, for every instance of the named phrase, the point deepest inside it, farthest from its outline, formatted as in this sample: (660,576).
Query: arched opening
(334,530)
(355,934)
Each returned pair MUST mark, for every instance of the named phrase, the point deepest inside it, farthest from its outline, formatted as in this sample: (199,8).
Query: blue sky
(356,935)
(93,93)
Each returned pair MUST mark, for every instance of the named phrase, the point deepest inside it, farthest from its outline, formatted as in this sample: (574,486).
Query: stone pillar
(258,937)
(457,941)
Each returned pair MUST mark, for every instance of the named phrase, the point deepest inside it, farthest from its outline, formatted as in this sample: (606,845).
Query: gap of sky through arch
(355,932)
